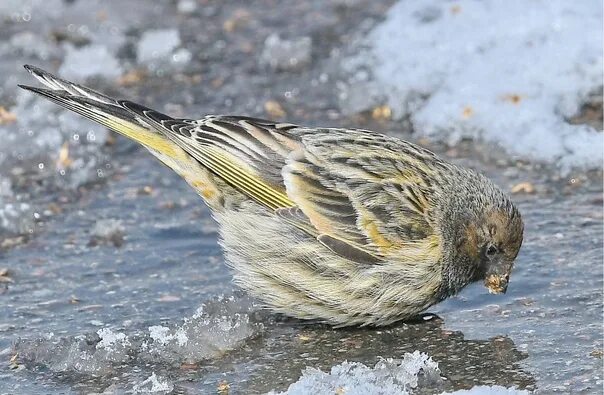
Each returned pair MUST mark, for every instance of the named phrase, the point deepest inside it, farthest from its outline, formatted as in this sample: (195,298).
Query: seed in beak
(496,284)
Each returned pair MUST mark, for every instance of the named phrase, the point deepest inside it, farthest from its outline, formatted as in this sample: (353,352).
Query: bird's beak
(497,277)
(496,284)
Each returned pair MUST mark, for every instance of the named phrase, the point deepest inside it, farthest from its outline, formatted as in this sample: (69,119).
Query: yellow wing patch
(243,179)
(140,135)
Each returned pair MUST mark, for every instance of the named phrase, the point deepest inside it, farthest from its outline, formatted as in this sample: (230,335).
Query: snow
(106,231)
(47,128)
(30,10)
(153,384)
(110,340)
(89,61)
(186,6)
(489,390)
(29,44)
(161,335)
(157,44)
(388,376)
(283,54)
(353,378)
(15,217)
(509,73)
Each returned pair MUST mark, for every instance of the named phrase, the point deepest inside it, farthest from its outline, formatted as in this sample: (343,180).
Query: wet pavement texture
(119,261)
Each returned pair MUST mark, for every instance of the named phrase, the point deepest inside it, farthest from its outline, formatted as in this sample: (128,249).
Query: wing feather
(356,202)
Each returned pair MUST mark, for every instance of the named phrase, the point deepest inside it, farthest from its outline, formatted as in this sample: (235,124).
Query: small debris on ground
(523,187)
(274,109)
(223,388)
(6,116)
(132,77)
(5,276)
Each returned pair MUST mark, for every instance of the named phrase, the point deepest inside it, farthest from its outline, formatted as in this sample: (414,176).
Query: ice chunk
(281,54)
(181,57)
(88,61)
(46,128)
(153,384)
(93,354)
(107,231)
(489,390)
(110,340)
(509,73)
(26,10)
(15,217)
(216,327)
(157,45)
(6,187)
(186,6)
(353,378)
(221,325)
(29,44)
(359,97)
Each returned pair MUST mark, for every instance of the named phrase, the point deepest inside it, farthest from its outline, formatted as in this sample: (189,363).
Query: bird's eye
(491,250)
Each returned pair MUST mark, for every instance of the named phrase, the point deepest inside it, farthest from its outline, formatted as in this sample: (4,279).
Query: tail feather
(90,108)
(58,84)
(103,110)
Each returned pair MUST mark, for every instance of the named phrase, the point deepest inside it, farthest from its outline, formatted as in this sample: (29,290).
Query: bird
(345,227)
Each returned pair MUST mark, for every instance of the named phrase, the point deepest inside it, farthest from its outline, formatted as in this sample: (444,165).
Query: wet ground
(120,285)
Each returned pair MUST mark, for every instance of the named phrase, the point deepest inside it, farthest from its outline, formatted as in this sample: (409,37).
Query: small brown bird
(345,226)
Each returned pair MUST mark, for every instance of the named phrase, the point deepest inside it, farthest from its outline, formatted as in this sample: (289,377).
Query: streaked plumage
(345,226)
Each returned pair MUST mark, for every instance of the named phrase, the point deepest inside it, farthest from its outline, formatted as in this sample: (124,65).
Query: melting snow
(509,73)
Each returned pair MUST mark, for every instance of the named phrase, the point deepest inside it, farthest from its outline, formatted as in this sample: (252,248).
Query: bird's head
(490,244)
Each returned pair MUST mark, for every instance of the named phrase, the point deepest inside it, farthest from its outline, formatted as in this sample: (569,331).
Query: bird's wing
(350,189)
(246,153)
(365,188)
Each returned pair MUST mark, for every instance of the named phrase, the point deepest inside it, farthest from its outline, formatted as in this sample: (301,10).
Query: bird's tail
(105,110)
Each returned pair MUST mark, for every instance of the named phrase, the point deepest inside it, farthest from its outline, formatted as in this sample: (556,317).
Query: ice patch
(509,73)
(45,128)
(186,6)
(91,60)
(157,45)
(107,231)
(111,340)
(151,385)
(221,325)
(28,44)
(15,217)
(213,329)
(30,10)
(489,390)
(282,54)
(354,378)
(162,335)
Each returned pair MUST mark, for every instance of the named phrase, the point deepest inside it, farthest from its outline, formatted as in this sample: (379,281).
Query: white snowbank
(508,72)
